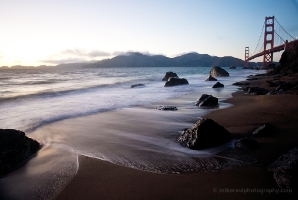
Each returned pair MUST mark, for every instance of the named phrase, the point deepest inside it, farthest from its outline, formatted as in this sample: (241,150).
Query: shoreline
(97,178)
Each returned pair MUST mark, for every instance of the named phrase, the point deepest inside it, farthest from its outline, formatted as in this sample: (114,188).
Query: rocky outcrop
(137,85)
(218,72)
(241,83)
(210,78)
(246,144)
(285,169)
(218,85)
(169,75)
(175,81)
(257,91)
(203,134)
(288,61)
(15,149)
(207,100)
(171,108)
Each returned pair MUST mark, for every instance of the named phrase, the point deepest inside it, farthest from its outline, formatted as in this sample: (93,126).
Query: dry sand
(98,179)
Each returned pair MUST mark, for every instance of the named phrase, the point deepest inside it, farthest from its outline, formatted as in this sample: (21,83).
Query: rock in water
(169,75)
(218,71)
(176,81)
(284,168)
(203,134)
(232,67)
(207,100)
(137,85)
(172,108)
(218,85)
(210,78)
(15,149)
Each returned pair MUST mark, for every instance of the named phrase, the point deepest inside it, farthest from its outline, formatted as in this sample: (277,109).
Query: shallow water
(132,133)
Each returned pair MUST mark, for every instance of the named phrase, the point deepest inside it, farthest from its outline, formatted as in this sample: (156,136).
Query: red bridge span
(273,35)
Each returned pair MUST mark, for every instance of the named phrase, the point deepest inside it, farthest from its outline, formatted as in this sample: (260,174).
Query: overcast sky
(36,32)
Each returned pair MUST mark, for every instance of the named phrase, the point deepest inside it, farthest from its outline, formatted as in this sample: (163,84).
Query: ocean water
(142,138)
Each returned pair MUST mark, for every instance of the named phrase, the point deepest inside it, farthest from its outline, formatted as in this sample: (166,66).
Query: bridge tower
(246,56)
(268,40)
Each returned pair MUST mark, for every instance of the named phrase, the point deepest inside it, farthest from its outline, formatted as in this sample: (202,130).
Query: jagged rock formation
(169,75)
(203,134)
(15,149)
(285,168)
(210,78)
(218,72)
(218,85)
(207,100)
(175,81)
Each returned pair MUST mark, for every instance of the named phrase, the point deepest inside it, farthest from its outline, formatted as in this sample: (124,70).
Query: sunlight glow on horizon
(40,32)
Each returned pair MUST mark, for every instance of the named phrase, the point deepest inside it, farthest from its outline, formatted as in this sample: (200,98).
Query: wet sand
(97,179)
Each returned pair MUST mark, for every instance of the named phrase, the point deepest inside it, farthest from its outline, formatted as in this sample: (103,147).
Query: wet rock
(175,81)
(263,130)
(246,144)
(285,169)
(218,72)
(257,91)
(218,85)
(232,67)
(241,83)
(207,100)
(137,85)
(15,149)
(272,84)
(203,134)
(171,108)
(252,79)
(169,75)
(210,78)
(256,68)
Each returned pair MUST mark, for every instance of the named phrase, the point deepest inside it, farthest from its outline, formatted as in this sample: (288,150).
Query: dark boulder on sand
(218,72)
(246,144)
(285,169)
(257,91)
(203,134)
(175,81)
(207,100)
(218,85)
(169,75)
(15,149)
(210,78)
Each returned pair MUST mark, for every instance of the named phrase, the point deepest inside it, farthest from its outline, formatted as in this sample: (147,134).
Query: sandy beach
(97,179)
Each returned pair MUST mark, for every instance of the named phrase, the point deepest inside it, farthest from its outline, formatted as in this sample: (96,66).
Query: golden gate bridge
(276,39)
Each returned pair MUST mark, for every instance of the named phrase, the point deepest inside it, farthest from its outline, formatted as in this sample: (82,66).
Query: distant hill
(135,59)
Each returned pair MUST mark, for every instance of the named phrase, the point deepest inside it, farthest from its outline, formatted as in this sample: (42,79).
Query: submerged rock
(15,149)
(232,67)
(176,81)
(210,78)
(218,71)
(246,144)
(172,108)
(207,100)
(137,85)
(169,75)
(218,85)
(203,134)
(285,168)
